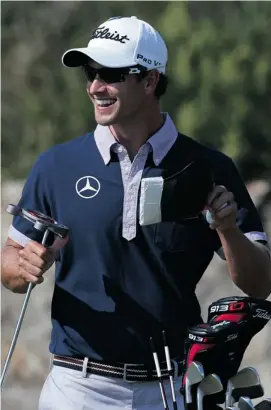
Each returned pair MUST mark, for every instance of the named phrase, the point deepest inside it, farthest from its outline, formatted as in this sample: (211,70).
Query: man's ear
(151,81)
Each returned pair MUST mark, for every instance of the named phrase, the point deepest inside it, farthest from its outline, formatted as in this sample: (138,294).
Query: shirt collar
(104,141)
(161,141)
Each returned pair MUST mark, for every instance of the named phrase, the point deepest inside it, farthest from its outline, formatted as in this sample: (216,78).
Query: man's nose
(97,85)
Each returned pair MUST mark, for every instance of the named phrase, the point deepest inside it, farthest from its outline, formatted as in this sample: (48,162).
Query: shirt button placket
(128,229)
(132,180)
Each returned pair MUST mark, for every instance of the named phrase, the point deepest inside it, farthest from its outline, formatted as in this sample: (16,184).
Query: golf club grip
(20,320)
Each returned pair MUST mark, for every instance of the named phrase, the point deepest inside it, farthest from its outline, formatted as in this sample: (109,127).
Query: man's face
(117,102)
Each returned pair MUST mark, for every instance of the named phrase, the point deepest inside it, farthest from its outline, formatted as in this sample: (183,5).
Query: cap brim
(79,56)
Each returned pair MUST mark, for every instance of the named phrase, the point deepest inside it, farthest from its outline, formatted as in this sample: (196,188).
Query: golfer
(124,275)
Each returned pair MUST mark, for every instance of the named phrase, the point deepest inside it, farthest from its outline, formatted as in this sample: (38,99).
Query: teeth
(104,102)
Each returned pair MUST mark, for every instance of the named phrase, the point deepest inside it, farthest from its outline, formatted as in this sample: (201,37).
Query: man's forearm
(249,263)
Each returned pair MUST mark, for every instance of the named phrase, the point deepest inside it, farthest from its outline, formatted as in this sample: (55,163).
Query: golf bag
(250,314)
(220,344)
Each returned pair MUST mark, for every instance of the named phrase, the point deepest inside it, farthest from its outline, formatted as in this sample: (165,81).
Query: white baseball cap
(122,42)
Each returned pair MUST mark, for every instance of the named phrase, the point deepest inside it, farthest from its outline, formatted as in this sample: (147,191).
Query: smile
(105,102)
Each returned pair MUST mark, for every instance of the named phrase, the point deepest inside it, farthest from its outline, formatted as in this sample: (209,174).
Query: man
(119,278)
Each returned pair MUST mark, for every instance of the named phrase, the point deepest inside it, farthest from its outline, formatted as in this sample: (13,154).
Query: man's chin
(105,120)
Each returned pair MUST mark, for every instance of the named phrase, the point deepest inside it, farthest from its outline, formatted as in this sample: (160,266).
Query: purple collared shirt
(160,144)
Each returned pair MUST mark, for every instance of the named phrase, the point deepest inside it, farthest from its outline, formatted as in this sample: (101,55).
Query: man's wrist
(228,231)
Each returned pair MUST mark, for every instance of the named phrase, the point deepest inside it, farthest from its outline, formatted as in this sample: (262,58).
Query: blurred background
(219,93)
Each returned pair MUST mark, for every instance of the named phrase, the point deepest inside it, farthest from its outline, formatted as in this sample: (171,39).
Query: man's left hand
(223,209)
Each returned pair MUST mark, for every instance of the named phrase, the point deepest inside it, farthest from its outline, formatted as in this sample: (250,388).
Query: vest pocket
(175,237)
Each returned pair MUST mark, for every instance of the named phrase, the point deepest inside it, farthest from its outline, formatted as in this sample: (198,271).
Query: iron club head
(244,383)
(194,375)
(211,384)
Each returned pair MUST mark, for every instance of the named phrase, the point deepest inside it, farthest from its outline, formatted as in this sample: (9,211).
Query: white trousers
(67,389)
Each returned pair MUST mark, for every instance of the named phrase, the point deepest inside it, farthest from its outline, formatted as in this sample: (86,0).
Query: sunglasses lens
(108,75)
(90,73)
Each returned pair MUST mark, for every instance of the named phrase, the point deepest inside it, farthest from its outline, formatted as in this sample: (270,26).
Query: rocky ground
(31,360)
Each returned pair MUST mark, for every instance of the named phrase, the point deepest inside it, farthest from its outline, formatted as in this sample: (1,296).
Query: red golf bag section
(213,345)
(205,340)
(250,315)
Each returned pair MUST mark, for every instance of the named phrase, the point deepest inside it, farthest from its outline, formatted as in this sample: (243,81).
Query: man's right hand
(35,260)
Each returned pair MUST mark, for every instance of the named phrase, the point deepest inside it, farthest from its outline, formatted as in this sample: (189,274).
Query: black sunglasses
(111,75)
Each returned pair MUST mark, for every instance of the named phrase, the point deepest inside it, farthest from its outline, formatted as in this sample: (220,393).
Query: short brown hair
(161,85)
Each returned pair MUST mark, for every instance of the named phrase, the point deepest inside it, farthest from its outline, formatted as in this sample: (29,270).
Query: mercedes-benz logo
(87,187)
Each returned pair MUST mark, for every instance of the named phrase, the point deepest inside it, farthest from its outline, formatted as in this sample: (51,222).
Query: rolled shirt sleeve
(35,196)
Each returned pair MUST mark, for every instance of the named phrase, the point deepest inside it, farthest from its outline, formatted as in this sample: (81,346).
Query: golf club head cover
(250,314)
(176,197)
(212,345)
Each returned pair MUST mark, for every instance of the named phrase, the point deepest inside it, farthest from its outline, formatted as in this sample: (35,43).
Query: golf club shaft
(188,397)
(245,403)
(19,323)
(228,400)
(174,402)
(159,375)
(199,400)
(168,360)
(163,394)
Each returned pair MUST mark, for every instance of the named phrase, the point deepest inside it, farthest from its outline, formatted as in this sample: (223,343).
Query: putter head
(245,403)
(194,375)
(244,383)
(211,384)
(13,209)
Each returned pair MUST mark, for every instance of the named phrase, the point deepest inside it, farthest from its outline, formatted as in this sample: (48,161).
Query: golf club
(44,224)
(194,375)
(169,367)
(244,383)
(211,384)
(245,403)
(159,374)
